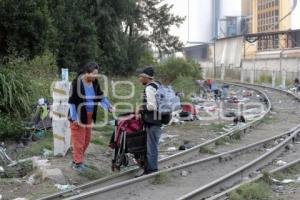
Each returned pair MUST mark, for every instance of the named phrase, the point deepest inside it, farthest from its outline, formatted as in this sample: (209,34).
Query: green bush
(172,68)
(11,126)
(14,102)
(21,84)
(186,85)
(14,91)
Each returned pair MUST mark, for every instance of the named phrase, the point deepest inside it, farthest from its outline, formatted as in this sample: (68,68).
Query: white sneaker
(140,173)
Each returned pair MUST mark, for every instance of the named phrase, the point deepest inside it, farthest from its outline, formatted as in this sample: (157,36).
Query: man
(151,120)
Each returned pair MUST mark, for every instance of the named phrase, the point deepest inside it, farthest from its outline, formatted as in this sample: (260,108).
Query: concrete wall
(287,64)
(229,52)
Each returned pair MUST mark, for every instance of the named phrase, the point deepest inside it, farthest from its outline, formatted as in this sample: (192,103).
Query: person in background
(297,84)
(214,89)
(85,96)
(151,120)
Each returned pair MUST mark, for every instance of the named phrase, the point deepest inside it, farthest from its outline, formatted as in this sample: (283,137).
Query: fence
(276,78)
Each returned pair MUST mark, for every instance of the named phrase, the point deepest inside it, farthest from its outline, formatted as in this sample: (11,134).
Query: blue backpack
(167,102)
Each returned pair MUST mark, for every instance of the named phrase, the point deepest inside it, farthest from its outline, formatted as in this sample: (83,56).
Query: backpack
(167,102)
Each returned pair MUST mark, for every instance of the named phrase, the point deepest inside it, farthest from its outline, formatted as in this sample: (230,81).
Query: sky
(181,9)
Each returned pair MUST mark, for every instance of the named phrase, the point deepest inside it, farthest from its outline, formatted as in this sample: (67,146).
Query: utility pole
(215,72)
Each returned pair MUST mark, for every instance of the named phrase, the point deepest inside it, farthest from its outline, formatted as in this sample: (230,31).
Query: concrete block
(55,175)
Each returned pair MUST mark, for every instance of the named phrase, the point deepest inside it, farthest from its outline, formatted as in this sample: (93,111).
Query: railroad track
(174,182)
(171,161)
(239,174)
(225,194)
(101,188)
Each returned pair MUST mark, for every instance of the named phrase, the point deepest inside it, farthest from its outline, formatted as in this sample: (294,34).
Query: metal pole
(215,72)
(297,67)
(280,62)
(188,21)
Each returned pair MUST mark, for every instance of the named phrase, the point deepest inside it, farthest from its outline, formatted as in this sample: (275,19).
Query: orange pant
(81,137)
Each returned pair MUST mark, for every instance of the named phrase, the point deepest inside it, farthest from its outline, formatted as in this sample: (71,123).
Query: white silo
(200,19)
(295,14)
(230,8)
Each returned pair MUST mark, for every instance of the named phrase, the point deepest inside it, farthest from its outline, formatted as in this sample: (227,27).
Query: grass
(37,148)
(288,173)
(93,173)
(20,170)
(99,141)
(216,127)
(269,119)
(222,141)
(161,178)
(264,78)
(252,191)
(206,150)
(104,129)
(236,135)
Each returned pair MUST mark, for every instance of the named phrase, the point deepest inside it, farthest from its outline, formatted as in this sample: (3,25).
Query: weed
(37,148)
(257,191)
(222,141)
(216,127)
(20,170)
(93,173)
(99,141)
(206,150)
(236,135)
(161,178)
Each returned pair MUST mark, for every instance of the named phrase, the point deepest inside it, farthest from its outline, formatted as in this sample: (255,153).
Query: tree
(25,27)
(77,34)
(116,34)
(156,18)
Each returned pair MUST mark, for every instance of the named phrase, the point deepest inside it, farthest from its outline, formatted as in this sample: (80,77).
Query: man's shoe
(140,173)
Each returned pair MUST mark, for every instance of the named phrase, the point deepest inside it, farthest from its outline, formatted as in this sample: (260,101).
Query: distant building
(273,17)
(207,21)
(269,37)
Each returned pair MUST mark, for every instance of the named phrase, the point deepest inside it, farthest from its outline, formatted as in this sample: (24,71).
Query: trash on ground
(30,180)
(281,163)
(47,152)
(172,149)
(185,146)
(184,173)
(233,100)
(40,163)
(14,163)
(287,181)
(247,93)
(64,187)
(3,154)
(167,136)
(230,113)
(1,169)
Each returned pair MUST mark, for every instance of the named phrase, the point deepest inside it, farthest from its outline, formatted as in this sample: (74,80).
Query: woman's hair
(88,68)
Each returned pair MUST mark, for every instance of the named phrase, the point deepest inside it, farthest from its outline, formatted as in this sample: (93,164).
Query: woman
(85,97)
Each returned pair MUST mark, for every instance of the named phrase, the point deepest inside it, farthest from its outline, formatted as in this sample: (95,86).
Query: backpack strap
(155,85)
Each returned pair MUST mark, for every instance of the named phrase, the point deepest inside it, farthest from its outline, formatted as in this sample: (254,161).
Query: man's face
(143,80)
